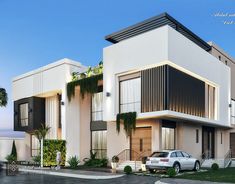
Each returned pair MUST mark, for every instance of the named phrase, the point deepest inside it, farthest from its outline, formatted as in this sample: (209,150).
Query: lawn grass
(221,175)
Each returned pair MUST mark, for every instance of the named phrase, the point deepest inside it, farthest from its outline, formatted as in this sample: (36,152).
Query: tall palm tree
(40,134)
(3,97)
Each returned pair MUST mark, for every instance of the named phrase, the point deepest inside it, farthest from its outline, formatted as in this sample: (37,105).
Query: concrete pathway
(73,173)
(183,181)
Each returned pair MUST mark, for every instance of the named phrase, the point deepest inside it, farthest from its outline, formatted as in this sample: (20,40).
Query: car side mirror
(190,156)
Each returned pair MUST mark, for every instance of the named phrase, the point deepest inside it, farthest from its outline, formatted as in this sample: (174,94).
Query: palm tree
(3,97)
(40,134)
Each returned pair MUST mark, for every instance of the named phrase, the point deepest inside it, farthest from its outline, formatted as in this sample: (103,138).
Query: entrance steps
(232,163)
(208,163)
(135,165)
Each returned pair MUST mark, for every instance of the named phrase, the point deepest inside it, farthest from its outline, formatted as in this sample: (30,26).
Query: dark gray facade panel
(166,88)
(153,92)
(98,125)
(36,113)
(186,93)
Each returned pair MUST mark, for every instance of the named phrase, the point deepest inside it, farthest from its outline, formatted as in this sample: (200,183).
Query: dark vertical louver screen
(166,88)
(186,93)
(153,89)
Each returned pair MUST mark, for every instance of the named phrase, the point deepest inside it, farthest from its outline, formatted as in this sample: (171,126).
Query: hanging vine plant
(87,85)
(129,121)
(88,81)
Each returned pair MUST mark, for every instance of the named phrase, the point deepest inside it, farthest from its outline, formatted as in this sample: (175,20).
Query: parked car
(177,159)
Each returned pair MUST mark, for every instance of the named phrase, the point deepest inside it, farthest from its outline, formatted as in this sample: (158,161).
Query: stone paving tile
(24,178)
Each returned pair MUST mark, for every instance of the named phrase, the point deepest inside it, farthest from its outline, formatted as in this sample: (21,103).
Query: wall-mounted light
(108,94)
(62,102)
(30,110)
(230,105)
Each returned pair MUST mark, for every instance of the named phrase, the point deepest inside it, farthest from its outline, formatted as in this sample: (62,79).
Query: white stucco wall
(6,147)
(163,46)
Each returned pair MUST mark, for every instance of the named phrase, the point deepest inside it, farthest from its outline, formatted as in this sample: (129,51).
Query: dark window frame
(123,78)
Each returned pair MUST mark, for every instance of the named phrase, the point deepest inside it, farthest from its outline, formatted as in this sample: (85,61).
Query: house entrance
(141,142)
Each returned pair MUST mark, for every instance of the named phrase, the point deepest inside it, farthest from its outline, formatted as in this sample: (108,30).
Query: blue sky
(35,33)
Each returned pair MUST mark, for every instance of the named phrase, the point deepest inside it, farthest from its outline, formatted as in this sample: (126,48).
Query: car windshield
(160,154)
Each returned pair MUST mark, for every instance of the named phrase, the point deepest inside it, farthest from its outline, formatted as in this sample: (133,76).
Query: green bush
(49,151)
(96,162)
(127,169)
(13,150)
(171,172)
(214,166)
(10,158)
(73,162)
(36,159)
(115,159)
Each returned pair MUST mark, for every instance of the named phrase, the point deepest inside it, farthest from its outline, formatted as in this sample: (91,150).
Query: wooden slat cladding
(186,93)
(153,89)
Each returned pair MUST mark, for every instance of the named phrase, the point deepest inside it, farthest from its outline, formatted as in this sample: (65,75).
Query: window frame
(124,78)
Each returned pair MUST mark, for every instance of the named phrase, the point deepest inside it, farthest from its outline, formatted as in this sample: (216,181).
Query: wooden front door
(141,142)
(232,144)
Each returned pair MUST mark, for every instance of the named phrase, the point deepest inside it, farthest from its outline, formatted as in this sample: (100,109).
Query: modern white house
(179,86)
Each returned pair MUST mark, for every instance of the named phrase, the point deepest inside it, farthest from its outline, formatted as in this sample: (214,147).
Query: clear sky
(36,33)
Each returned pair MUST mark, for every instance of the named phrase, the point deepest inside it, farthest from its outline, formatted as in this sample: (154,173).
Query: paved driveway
(31,178)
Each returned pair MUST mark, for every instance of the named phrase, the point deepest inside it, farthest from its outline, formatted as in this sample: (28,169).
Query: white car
(177,159)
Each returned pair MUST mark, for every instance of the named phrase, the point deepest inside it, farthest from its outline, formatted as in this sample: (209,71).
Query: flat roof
(153,23)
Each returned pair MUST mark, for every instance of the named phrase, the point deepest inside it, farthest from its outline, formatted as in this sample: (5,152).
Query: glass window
(160,154)
(209,101)
(173,154)
(99,143)
(185,154)
(24,114)
(97,106)
(179,154)
(35,146)
(130,97)
(168,138)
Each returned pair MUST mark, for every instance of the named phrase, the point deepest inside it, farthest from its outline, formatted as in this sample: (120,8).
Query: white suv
(177,159)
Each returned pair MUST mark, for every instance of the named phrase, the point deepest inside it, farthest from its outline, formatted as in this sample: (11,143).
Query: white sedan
(177,159)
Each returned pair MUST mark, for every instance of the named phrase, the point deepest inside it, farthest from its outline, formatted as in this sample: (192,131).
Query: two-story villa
(175,82)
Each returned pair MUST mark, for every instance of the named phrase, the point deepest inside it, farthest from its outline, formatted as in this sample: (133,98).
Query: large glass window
(130,95)
(97,106)
(24,114)
(233,111)
(168,138)
(99,143)
(209,101)
(35,146)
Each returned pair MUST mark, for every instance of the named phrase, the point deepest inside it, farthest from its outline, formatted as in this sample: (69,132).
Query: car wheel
(152,171)
(176,166)
(196,166)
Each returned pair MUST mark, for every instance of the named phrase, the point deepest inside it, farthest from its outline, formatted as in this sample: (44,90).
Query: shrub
(127,169)
(171,172)
(10,158)
(36,159)
(13,150)
(49,151)
(115,159)
(214,166)
(73,162)
(96,162)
